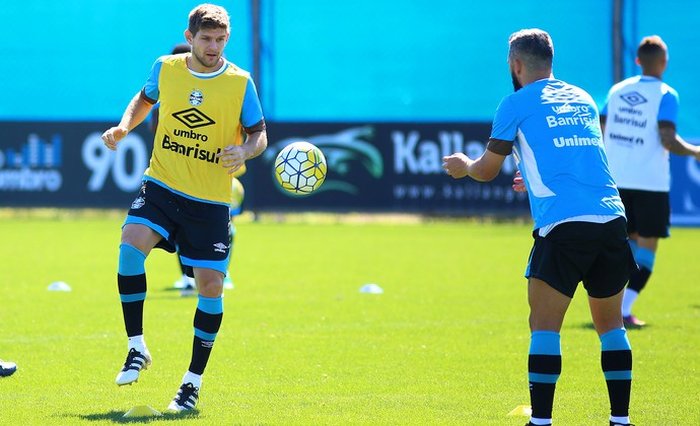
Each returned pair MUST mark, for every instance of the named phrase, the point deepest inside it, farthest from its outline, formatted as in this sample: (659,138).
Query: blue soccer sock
(131,280)
(207,321)
(645,259)
(544,368)
(616,361)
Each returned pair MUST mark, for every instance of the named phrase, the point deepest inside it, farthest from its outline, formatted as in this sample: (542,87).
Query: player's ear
(189,36)
(636,61)
(517,66)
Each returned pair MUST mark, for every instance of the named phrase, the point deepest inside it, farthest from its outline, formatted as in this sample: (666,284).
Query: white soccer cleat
(185,400)
(7,368)
(135,362)
(184,282)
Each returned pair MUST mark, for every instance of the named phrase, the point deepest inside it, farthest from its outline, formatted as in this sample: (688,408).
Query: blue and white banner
(685,191)
(65,164)
(392,167)
(388,167)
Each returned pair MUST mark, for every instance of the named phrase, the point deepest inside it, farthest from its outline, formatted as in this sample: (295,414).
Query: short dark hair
(533,46)
(650,50)
(209,16)
(181,48)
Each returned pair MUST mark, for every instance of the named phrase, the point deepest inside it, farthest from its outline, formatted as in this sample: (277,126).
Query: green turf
(445,344)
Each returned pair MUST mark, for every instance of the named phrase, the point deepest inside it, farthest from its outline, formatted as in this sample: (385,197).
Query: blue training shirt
(558,145)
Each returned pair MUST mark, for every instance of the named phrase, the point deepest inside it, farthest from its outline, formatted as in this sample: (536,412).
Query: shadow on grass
(585,326)
(118,417)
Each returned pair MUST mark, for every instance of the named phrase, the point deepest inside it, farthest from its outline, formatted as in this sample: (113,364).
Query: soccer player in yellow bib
(210,123)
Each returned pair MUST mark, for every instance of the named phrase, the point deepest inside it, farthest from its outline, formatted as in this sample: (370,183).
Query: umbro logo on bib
(193,118)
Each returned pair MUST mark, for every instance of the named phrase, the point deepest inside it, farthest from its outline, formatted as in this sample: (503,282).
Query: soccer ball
(300,168)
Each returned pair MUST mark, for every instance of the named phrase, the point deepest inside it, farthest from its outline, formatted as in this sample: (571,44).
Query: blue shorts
(198,231)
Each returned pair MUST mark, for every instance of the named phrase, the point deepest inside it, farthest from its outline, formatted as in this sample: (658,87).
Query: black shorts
(648,212)
(596,253)
(198,231)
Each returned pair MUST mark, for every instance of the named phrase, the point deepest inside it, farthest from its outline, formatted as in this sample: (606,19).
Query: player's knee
(210,284)
(545,322)
(131,260)
(140,236)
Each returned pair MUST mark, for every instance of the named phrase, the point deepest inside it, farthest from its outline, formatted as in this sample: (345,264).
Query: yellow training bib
(200,114)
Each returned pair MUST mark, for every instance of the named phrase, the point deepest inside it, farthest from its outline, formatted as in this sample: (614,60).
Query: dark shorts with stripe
(648,212)
(198,231)
(596,254)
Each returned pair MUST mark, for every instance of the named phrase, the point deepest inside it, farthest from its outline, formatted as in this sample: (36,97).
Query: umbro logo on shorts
(220,247)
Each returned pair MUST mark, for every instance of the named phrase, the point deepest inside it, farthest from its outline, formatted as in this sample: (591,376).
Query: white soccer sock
(536,421)
(195,379)
(628,299)
(620,420)
(138,343)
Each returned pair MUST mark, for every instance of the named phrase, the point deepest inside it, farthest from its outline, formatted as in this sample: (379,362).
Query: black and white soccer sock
(616,361)
(207,321)
(544,368)
(131,280)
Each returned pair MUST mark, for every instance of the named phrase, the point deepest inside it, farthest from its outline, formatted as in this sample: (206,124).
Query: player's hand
(233,157)
(519,183)
(456,165)
(114,135)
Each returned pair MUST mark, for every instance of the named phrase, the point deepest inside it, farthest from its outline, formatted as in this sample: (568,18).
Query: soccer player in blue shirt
(580,228)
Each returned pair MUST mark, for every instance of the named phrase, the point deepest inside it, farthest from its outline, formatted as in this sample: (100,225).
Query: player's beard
(203,60)
(516,84)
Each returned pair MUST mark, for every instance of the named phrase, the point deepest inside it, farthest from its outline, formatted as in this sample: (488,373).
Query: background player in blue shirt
(580,229)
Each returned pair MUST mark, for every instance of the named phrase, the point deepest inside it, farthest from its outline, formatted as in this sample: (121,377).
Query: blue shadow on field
(118,417)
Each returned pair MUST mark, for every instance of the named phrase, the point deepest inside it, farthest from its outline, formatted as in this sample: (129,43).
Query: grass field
(445,344)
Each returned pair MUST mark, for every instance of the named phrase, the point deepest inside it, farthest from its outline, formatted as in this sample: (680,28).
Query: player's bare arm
(135,113)
(233,157)
(484,168)
(674,143)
